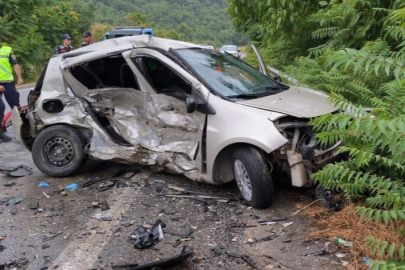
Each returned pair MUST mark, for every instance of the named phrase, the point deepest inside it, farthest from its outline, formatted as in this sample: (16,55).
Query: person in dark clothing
(65,47)
(88,40)
(8,62)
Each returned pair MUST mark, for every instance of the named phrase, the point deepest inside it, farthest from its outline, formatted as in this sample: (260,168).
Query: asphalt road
(53,228)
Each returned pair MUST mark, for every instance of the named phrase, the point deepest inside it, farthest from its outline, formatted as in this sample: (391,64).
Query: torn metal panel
(172,112)
(180,131)
(148,124)
(181,164)
(74,111)
(128,111)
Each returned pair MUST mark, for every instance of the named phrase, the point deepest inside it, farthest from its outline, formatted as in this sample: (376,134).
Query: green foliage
(191,20)
(34,27)
(374,172)
(301,28)
(393,250)
(385,249)
(354,50)
(138,19)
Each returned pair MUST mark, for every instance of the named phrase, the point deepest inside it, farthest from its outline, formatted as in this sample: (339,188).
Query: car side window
(106,72)
(162,78)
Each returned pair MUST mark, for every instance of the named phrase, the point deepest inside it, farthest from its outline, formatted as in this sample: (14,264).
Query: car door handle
(167,108)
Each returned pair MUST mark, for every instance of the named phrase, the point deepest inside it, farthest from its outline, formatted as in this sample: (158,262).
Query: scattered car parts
(186,253)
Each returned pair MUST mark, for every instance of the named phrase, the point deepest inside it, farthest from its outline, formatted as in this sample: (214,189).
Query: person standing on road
(65,47)
(8,62)
(88,40)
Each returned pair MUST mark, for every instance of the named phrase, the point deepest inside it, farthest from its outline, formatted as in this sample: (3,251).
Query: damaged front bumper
(302,155)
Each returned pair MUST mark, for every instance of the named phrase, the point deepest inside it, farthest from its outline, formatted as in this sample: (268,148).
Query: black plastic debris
(218,251)
(1,247)
(328,198)
(107,185)
(320,253)
(127,172)
(272,219)
(20,171)
(9,184)
(198,200)
(233,255)
(92,182)
(33,205)
(250,261)
(104,205)
(186,253)
(49,238)
(149,237)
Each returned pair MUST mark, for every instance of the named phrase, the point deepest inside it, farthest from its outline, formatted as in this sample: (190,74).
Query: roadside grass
(347,225)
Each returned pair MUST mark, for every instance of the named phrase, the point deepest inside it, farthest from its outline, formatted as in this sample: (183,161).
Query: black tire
(59,151)
(257,172)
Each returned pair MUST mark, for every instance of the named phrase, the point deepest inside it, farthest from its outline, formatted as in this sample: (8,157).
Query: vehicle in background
(231,49)
(206,46)
(128,31)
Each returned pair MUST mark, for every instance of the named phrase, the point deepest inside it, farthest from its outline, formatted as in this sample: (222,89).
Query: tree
(374,173)
(33,28)
(138,19)
(289,29)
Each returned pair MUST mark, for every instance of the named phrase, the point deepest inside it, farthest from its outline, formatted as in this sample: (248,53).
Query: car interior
(162,78)
(105,72)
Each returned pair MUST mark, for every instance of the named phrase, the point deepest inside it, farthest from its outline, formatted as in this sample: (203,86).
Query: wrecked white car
(177,107)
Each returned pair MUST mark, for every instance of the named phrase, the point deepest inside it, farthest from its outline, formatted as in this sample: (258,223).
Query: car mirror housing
(277,78)
(196,102)
(191,104)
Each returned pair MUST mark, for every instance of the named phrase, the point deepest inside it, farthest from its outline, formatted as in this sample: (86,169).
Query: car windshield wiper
(273,88)
(244,96)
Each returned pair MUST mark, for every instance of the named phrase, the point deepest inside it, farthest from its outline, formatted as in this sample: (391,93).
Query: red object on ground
(7,118)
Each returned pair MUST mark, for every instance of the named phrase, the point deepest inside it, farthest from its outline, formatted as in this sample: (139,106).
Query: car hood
(296,101)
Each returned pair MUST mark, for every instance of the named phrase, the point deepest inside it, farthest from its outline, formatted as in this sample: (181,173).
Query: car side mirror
(191,104)
(277,78)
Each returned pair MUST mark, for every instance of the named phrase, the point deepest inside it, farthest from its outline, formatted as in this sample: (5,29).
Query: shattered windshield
(229,76)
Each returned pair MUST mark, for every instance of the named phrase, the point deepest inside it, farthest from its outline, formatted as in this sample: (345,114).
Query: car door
(167,86)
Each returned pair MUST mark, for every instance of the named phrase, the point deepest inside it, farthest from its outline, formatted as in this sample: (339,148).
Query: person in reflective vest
(8,62)
(65,47)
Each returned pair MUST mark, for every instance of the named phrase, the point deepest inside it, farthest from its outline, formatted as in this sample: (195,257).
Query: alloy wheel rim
(243,180)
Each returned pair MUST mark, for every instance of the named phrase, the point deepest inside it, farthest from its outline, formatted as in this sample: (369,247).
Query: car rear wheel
(59,151)
(253,177)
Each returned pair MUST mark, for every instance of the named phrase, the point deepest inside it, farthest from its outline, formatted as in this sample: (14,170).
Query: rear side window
(105,72)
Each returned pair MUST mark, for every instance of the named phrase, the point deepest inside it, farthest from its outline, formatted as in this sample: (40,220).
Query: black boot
(4,137)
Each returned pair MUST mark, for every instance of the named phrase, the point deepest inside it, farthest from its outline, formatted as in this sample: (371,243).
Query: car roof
(111,46)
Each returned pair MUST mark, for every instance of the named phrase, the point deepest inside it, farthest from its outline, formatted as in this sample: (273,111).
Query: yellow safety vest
(6,72)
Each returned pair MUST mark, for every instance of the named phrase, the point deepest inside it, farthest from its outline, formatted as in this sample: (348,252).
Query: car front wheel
(253,177)
(59,151)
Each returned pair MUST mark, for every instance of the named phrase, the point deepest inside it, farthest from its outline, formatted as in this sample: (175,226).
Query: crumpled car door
(178,134)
